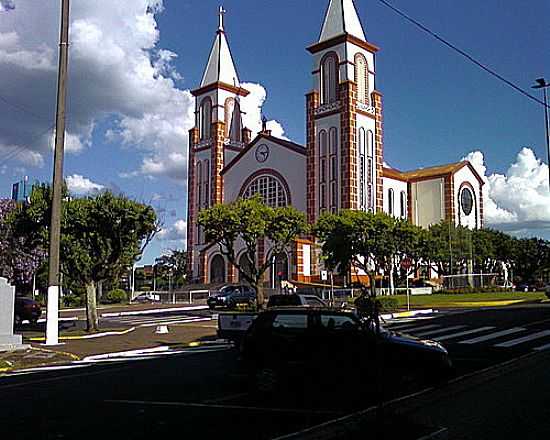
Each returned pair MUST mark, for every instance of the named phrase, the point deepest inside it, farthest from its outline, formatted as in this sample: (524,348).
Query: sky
(133,62)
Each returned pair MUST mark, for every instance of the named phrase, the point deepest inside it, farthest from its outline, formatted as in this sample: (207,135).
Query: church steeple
(220,67)
(341,18)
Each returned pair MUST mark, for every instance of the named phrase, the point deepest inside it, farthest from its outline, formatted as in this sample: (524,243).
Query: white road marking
(224,407)
(441,330)
(495,335)
(409,328)
(542,347)
(527,338)
(464,333)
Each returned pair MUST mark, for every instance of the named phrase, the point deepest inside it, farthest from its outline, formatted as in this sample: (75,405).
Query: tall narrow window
(323,168)
(391,201)
(333,149)
(329,78)
(233,120)
(205,118)
(199,184)
(403,203)
(361,175)
(362,78)
(206,183)
(370,171)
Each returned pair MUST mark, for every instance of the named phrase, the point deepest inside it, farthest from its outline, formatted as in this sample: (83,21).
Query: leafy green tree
(101,237)
(247,221)
(173,264)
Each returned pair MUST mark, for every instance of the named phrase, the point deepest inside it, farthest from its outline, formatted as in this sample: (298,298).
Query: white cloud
(252,106)
(80,185)
(176,232)
(7,5)
(117,72)
(520,199)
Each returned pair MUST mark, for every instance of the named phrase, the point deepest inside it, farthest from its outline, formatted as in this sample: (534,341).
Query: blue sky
(129,123)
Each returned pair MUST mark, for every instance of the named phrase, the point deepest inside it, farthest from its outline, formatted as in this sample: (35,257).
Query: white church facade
(340,167)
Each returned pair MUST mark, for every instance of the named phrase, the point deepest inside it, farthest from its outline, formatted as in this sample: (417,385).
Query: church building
(340,167)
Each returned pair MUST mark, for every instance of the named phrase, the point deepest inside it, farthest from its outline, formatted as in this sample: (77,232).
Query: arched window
(329,78)
(206,183)
(370,170)
(205,118)
(323,168)
(271,189)
(362,164)
(333,149)
(362,78)
(391,201)
(403,204)
(217,270)
(233,120)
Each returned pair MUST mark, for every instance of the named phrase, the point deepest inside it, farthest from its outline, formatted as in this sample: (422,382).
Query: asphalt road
(205,394)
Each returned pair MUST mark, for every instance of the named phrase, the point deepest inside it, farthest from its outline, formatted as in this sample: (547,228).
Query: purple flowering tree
(20,255)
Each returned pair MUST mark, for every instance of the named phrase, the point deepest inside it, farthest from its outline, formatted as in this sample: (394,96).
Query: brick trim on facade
(379,149)
(312,102)
(217,163)
(191,186)
(348,145)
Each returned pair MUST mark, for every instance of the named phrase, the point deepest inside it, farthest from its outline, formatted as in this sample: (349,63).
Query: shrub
(71,300)
(385,304)
(115,296)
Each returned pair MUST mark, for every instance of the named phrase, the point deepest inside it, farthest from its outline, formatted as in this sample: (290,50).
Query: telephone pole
(54,278)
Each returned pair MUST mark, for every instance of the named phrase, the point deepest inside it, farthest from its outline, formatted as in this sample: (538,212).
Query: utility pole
(54,279)
(542,84)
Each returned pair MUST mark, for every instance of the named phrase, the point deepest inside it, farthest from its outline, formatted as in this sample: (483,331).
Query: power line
(16,151)
(22,108)
(464,54)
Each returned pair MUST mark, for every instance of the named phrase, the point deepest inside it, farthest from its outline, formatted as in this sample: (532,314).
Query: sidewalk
(75,349)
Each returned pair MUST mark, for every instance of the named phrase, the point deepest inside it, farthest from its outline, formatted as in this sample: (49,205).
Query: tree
(20,251)
(173,264)
(101,237)
(248,221)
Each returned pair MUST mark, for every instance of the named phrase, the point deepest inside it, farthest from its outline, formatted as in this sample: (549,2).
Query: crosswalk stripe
(464,333)
(441,330)
(523,339)
(542,347)
(495,335)
(412,327)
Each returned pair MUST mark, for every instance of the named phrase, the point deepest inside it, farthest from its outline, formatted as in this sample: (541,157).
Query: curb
(94,336)
(408,314)
(152,311)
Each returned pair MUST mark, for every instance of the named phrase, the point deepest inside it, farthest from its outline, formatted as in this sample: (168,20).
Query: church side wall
(465,178)
(428,202)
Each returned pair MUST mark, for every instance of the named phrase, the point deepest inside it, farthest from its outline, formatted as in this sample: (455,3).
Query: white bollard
(162,330)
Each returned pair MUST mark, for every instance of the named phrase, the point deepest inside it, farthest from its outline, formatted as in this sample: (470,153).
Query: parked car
(286,344)
(146,298)
(547,291)
(26,309)
(230,296)
(295,300)
(526,287)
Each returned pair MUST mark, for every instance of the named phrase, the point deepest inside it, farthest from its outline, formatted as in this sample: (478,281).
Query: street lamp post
(542,84)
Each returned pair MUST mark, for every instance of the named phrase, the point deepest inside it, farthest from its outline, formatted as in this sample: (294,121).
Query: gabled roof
(430,172)
(220,67)
(341,18)
(297,148)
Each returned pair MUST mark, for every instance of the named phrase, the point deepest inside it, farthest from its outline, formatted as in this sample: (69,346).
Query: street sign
(324,275)
(406,263)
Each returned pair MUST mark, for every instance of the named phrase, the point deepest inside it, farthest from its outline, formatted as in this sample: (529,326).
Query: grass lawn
(469,299)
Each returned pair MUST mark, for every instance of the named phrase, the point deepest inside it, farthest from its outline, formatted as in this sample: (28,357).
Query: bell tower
(218,136)
(344,118)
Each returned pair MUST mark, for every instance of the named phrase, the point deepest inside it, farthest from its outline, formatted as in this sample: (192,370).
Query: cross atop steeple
(222,12)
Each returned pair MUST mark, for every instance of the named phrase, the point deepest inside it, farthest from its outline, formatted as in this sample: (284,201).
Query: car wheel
(211,306)
(231,304)
(267,380)
(17,320)
(34,321)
